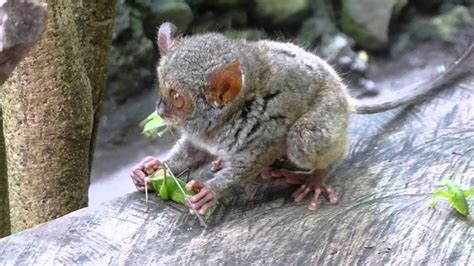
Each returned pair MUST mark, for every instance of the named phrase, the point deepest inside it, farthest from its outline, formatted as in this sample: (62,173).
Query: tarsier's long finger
(138,176)
(298,191)
(202,193)
(313,205)
(303,194)
(330,195)
(147,159)
(151,166)
(206,207)
(209,197)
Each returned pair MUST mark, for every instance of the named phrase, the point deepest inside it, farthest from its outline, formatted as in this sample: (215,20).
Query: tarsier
(243,105)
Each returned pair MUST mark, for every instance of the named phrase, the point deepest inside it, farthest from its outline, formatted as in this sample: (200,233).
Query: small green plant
(455,195)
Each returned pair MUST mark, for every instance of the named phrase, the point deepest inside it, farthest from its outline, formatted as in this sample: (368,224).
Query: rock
(249,34)
(215,3)
(177,12)
(426,6)
(314,29)
(21,24)
(132,55)
(445,26)
(367,21)
(220,20)
(337,50)
(277,12)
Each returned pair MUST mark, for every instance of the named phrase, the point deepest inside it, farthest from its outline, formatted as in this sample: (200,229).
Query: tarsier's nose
(160,109)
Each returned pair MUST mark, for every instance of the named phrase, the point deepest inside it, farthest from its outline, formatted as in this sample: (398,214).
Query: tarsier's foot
(310,182)
(216,164)
(292,177)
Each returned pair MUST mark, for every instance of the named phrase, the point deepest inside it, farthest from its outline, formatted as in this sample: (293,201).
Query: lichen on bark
(4,205)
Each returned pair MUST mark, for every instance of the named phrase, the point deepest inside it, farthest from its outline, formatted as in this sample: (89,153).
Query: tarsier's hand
(216,165)
(142,170)
(205,199)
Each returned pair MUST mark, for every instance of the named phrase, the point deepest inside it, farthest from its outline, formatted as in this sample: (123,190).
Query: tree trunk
(22,24)
(96,20)
(49,115)
(4,206)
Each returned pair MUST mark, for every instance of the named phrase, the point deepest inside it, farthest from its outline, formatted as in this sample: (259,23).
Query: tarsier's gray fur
(292,103)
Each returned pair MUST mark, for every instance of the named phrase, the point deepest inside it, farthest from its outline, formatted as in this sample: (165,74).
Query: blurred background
(378,46)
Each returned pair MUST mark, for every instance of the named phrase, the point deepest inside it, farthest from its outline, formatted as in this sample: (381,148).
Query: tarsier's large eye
(176,99)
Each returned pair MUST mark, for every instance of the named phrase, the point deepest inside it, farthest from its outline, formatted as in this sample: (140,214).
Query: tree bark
(22,24)
(4,205)
(96,20)
(48,115)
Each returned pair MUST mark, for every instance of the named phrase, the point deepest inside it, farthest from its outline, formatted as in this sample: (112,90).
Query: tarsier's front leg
(235,169)
(184,156)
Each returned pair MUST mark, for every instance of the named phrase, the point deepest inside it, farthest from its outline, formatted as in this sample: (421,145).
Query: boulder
(367,21)
(176,11)
(131,59)
(277,12)
(220,20)
(337,49)
(21,24)
(446,26)
(248,34)
(314,28)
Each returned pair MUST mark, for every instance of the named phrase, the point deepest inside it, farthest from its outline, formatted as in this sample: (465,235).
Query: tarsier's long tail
(463,67)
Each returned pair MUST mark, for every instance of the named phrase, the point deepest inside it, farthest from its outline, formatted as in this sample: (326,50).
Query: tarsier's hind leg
(315,142)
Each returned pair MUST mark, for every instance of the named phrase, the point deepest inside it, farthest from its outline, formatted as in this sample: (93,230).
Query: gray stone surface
(367,21)
(21,25)
(384,185)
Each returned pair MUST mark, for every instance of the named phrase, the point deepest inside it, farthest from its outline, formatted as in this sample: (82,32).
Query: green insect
(455,195)
(166,187)
(165,184)
(153,126)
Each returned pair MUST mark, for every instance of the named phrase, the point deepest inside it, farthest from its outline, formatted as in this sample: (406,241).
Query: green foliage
(455,195)
(153,126)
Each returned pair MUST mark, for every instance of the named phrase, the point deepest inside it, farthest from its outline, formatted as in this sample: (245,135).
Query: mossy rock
(249,34)
(314,28)
(177,12)
(445,26)
(367,21)
(279,12)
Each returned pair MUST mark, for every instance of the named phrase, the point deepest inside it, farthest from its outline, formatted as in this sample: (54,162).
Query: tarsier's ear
(166,38)
(224,84)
